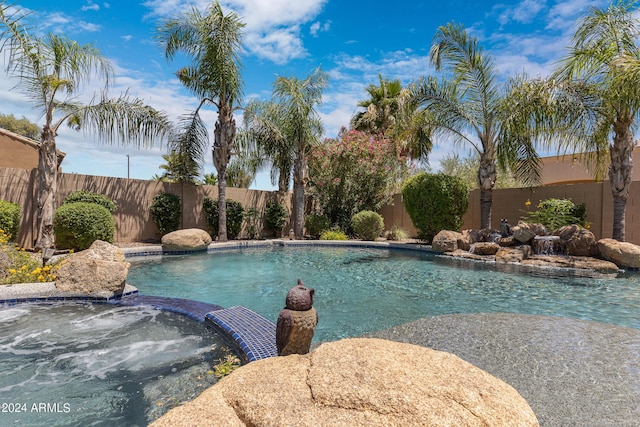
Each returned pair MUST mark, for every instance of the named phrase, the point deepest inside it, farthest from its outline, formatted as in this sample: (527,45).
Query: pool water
(100,365)
(365,290)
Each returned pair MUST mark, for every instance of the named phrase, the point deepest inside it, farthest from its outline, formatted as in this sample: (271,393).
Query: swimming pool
(79,364)
(360,290)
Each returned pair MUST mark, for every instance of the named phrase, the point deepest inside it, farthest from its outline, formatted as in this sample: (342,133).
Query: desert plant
(77,225)
(252,219)
(397,233)
(316,224)
(275,216)
(19,266)
(235,216)
(435,202)
(226,365)
(367,225)
(555,213)
(166,212)
(89,197)
(9,218)
(334,234)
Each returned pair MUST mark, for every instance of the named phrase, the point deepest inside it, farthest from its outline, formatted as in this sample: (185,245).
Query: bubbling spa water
(100,365)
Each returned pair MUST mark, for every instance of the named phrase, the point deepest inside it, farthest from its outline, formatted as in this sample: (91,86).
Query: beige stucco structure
(17,151)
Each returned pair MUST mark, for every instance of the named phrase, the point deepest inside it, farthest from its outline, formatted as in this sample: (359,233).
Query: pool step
(255,335)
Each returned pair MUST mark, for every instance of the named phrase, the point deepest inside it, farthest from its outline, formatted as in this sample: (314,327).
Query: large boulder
(623,254)
(509,255)
(446,241)
(484,248)
(357,382)
(524,231)
(101,268)
(190,239)
(576,240)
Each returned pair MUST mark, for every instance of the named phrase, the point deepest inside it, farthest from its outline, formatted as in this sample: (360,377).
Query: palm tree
(285,128)
(51,71)
(381,108)
(179,167)
(390,111)
(213,41)
(467,106)
(602,39)
(589,105)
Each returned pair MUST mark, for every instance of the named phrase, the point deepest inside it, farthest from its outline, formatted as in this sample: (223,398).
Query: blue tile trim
(254,334)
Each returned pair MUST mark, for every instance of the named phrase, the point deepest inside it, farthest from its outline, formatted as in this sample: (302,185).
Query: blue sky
(353,41)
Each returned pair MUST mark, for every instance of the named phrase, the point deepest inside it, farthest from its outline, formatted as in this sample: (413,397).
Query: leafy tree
(213,43)
(589,105)
(210,179)
(352,173)
(21,126)
(286,129)
(467,106)
(166,212)
(435,202)
(51,70)
(467,170)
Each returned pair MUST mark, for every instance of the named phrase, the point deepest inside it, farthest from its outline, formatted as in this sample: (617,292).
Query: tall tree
(391,112)
(51,71)
(286,128)
(590,104)
(213,42)
(466,106)
(22,126)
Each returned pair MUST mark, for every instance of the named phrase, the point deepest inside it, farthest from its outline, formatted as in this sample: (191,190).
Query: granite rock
(623,254)
(190,239)
(446,241)
(102,267)
(357,382)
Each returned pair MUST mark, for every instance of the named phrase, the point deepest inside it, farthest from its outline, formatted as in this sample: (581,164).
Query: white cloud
(317,27)
(272,28)
(90,6)
(524,12)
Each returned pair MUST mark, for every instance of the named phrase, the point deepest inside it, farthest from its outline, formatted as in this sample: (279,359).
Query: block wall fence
(134,198)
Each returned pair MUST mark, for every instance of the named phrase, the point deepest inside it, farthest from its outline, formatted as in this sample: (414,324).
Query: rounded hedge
(435,202)
(275,216)
(368,225)
(77,225)
(89,197)
(10,218)
(235,216)
(166,212)
(316,224)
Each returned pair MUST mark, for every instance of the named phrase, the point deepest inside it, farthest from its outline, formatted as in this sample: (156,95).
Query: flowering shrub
(556,213)
(352,173)
(10,218)
(19,266)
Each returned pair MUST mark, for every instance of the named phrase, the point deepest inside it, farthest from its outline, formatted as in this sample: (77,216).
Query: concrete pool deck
(571,372)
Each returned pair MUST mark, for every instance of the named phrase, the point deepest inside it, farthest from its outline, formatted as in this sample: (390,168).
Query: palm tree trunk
(620,172)
(299,170)
(47,187)
(486,179)
(224,133)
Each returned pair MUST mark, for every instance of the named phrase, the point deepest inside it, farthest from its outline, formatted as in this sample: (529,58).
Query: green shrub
(235,216)
(556,213)
(10,218)
(316,224)
(275,216)
(397,233)
(77,225)
(89,197)
(252,220)
(368,225)
(333,235)
(435,202)
(166,212)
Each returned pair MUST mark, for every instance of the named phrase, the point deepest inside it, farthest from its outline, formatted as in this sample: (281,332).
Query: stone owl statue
(296,322)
